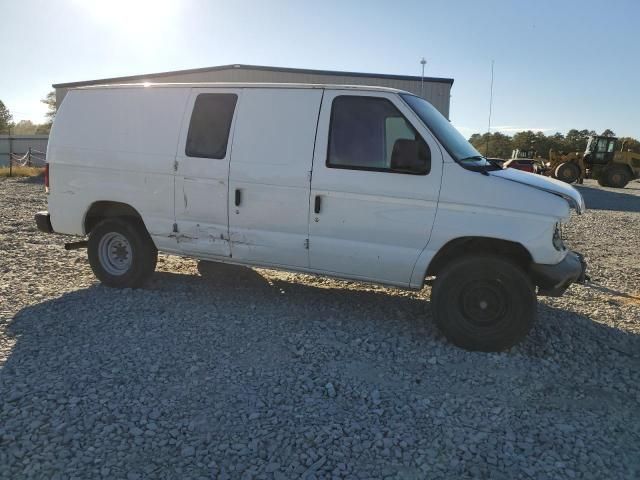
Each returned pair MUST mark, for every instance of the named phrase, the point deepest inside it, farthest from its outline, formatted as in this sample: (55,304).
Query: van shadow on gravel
(212,360)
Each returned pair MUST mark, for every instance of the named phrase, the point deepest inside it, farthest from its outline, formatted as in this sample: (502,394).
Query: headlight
(557,237)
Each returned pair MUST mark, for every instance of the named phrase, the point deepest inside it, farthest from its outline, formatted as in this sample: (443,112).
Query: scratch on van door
(186,201)
(181,237)
(239,239)
(198,232)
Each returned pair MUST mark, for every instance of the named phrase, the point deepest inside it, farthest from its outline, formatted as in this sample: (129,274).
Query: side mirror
(411,156)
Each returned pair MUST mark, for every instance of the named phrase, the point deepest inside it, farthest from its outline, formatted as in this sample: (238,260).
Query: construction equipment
(538,164)
(600,160)
(568,167)
(521,153)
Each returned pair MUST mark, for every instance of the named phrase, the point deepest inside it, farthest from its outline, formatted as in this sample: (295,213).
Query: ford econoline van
(364,183)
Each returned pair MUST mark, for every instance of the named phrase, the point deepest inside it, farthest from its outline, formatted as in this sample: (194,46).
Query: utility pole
(10,154)
(423,62)
(486,153)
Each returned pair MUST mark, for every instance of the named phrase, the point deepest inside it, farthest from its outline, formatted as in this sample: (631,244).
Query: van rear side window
(210,124)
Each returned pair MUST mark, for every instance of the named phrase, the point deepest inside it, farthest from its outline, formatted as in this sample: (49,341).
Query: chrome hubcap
(115,253)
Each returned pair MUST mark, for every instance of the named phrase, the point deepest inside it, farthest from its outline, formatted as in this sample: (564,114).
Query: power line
(490,108)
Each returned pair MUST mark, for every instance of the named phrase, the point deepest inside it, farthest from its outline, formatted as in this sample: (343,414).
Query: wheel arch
(464,245)
(102,209)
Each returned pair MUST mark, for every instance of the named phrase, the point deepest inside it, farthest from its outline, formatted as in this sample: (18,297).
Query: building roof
(251,67)
(114,86)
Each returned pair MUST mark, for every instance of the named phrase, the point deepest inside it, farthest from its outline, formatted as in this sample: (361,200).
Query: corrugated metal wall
(19,144)
(438,93)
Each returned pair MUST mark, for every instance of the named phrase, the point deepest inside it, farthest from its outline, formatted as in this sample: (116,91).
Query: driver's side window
(370,133)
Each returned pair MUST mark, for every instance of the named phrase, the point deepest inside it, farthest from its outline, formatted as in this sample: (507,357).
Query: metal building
(435,90)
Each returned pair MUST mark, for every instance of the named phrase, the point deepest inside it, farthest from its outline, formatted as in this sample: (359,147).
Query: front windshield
(457,146)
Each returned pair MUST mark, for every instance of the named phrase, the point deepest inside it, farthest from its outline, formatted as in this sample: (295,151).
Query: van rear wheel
(484,303)
(121,253)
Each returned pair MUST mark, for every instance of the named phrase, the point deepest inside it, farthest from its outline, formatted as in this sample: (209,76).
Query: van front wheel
(484,302)
(121,253)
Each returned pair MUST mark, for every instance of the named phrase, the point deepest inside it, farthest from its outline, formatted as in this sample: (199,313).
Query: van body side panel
(202,186)
(476,205)
(270,171)
(115,145)
(371,224)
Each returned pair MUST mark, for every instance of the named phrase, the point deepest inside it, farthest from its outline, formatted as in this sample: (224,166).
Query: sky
(559,64)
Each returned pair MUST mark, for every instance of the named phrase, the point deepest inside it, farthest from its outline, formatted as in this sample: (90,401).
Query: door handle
(318,202)
(238,197)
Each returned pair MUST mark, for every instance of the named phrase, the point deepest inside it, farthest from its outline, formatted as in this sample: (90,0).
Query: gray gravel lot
(240,373)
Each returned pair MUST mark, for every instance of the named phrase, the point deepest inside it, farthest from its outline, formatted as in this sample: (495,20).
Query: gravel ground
(241,373)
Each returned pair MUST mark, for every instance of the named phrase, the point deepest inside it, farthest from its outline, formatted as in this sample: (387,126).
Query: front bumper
(553,280)
(43,222)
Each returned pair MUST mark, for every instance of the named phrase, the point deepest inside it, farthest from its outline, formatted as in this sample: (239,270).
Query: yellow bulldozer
(600,160)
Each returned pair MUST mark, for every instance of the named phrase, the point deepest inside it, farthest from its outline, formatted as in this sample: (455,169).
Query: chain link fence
(23,151)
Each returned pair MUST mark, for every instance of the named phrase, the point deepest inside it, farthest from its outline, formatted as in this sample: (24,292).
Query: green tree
(24,127)
(630,144)
(557,141)
(525,140)
(608,133)
(43,129)
(499,144)
(5,118)
(576,140)
(50,102)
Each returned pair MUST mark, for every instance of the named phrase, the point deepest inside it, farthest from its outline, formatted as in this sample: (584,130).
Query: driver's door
(368,220)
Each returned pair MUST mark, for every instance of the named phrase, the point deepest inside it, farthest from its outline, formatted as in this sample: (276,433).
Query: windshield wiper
(472,157)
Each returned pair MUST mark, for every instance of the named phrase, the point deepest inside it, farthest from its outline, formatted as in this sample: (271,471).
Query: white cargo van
(364,183)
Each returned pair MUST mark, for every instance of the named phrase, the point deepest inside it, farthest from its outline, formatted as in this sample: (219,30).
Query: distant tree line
(501,145)
(27,127)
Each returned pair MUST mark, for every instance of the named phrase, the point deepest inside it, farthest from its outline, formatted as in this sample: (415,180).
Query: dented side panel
(201,191)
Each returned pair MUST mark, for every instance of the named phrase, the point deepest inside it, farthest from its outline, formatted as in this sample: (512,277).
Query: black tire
(568,172)
(602,180)
(484,302)
(617,176)
(134,258)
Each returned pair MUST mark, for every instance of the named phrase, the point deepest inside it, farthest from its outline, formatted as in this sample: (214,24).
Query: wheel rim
(616,179)
(484,305)
(115,253)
